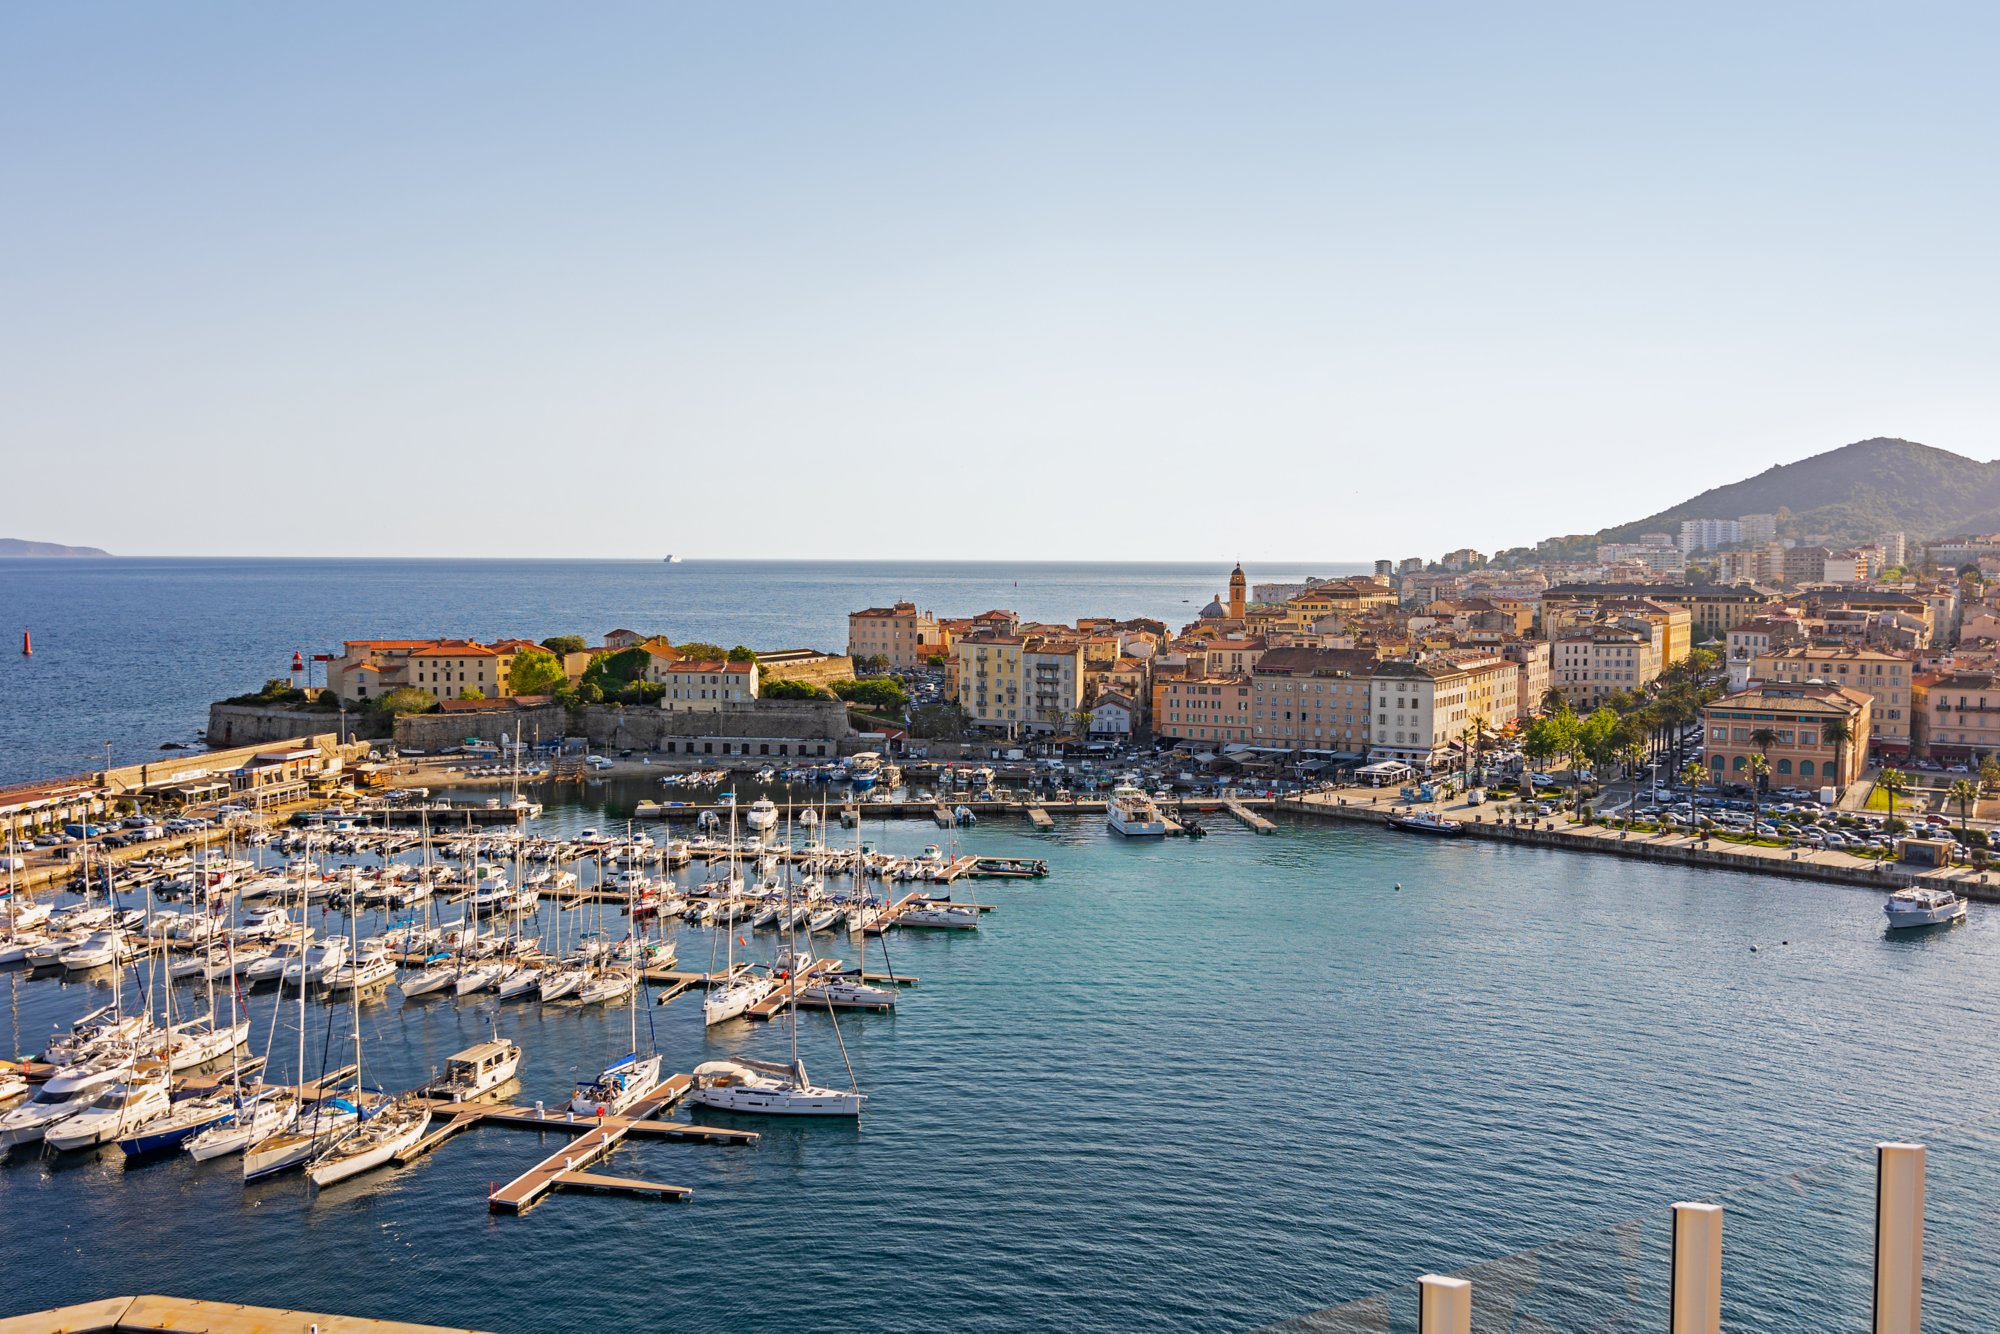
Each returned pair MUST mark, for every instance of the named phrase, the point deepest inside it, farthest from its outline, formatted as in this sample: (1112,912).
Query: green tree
(470,692)
(1963,791)
(1693,775)
(535,672)
(934,660)
(1893,782)
(742,654)
(1763,738)
(1760,773)
(404,700)
(880,693)
(614,671)
(1989,774)
(943,721)
(564,644)
(786,688)
(700,650)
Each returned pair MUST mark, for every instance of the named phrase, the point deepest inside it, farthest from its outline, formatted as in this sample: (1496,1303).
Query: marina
(1109,913)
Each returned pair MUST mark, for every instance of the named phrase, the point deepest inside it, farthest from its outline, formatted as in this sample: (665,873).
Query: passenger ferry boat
(1923,906)
(1133,814)
(1426,822)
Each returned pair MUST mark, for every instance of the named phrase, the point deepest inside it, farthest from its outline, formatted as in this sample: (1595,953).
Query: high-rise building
(1385,569)
(1757,528)
(1708,534)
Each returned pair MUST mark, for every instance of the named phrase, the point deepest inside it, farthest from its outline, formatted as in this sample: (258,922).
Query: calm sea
(1173,1086)
(133,651)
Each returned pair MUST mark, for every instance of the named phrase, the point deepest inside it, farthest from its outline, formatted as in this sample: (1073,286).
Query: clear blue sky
(1150,280)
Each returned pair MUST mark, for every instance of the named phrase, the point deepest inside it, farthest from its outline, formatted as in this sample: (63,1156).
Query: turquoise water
(1180,1085)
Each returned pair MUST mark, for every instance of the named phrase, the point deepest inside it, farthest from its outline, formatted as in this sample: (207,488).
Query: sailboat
(253,1116)
(294,1142)
(381,1132)
(623,1082)
(767,1087)
(738,994)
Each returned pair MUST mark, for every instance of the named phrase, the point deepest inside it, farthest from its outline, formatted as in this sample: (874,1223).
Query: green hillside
(1852,494)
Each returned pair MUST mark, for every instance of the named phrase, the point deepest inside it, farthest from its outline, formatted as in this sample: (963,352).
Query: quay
(1363,806)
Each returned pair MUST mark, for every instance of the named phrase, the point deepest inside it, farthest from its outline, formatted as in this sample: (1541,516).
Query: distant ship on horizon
(673,560)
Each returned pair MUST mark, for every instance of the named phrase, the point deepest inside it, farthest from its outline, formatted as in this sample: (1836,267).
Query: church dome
(1214,611)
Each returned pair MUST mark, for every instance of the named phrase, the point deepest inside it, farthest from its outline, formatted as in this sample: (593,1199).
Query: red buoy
(27,645)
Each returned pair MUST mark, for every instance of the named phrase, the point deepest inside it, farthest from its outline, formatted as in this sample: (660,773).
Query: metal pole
(1899,1238)
(1444,1305)
(1695,1304)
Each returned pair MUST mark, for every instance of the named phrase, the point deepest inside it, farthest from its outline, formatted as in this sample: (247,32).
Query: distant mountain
(1853,494)
(14,546)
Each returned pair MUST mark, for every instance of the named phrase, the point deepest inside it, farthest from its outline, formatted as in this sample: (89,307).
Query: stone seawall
(431,732)
(260,724)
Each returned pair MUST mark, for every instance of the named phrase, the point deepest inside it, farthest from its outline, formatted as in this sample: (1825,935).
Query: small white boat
(936,915)
(845,991)
(373,969)
(732,998)
(317,963)
(560,981)
(118,1111)
(54,1102)
(285,1149)
(770,1089)
(478,1070)
(372,1143)
(610,985)
(1923,906)
(761,814)
(257,1118)
(623,1083)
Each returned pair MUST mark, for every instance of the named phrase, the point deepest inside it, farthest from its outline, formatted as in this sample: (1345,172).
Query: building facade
(1801,756)
(901,636)
(1884,677)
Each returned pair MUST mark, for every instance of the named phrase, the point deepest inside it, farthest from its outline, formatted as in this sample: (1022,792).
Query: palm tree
(1693,774)
(1964,791)
(1837,733)
(1892,782)
(1760,769)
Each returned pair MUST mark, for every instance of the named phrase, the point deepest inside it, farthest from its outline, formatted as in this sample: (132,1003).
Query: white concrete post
(1899,1238)
(1696,1300)
(1445,1305)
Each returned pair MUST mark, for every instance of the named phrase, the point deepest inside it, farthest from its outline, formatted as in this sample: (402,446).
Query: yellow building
(1884,677)
(441,668)
(988,670)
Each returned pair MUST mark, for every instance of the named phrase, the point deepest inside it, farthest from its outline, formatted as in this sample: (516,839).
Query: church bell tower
(1237,586)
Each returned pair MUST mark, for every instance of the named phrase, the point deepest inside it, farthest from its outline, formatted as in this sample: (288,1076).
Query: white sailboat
(622,1083)
(768,1088)
(380,1132)
(733,997)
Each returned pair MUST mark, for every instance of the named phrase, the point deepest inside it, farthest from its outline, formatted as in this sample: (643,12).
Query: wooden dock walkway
(1249,817)
(774,1004)
(600,1136)
(608,1185)
(1038,816)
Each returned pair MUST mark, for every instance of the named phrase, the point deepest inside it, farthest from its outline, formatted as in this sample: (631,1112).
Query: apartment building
(1200,708)
(900,635)
(1052,681)
(988,672)
(442,668)
(1883,677)
(1313,699)
(1957,715)
(1593,662)
(693,686)
(1423,709)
